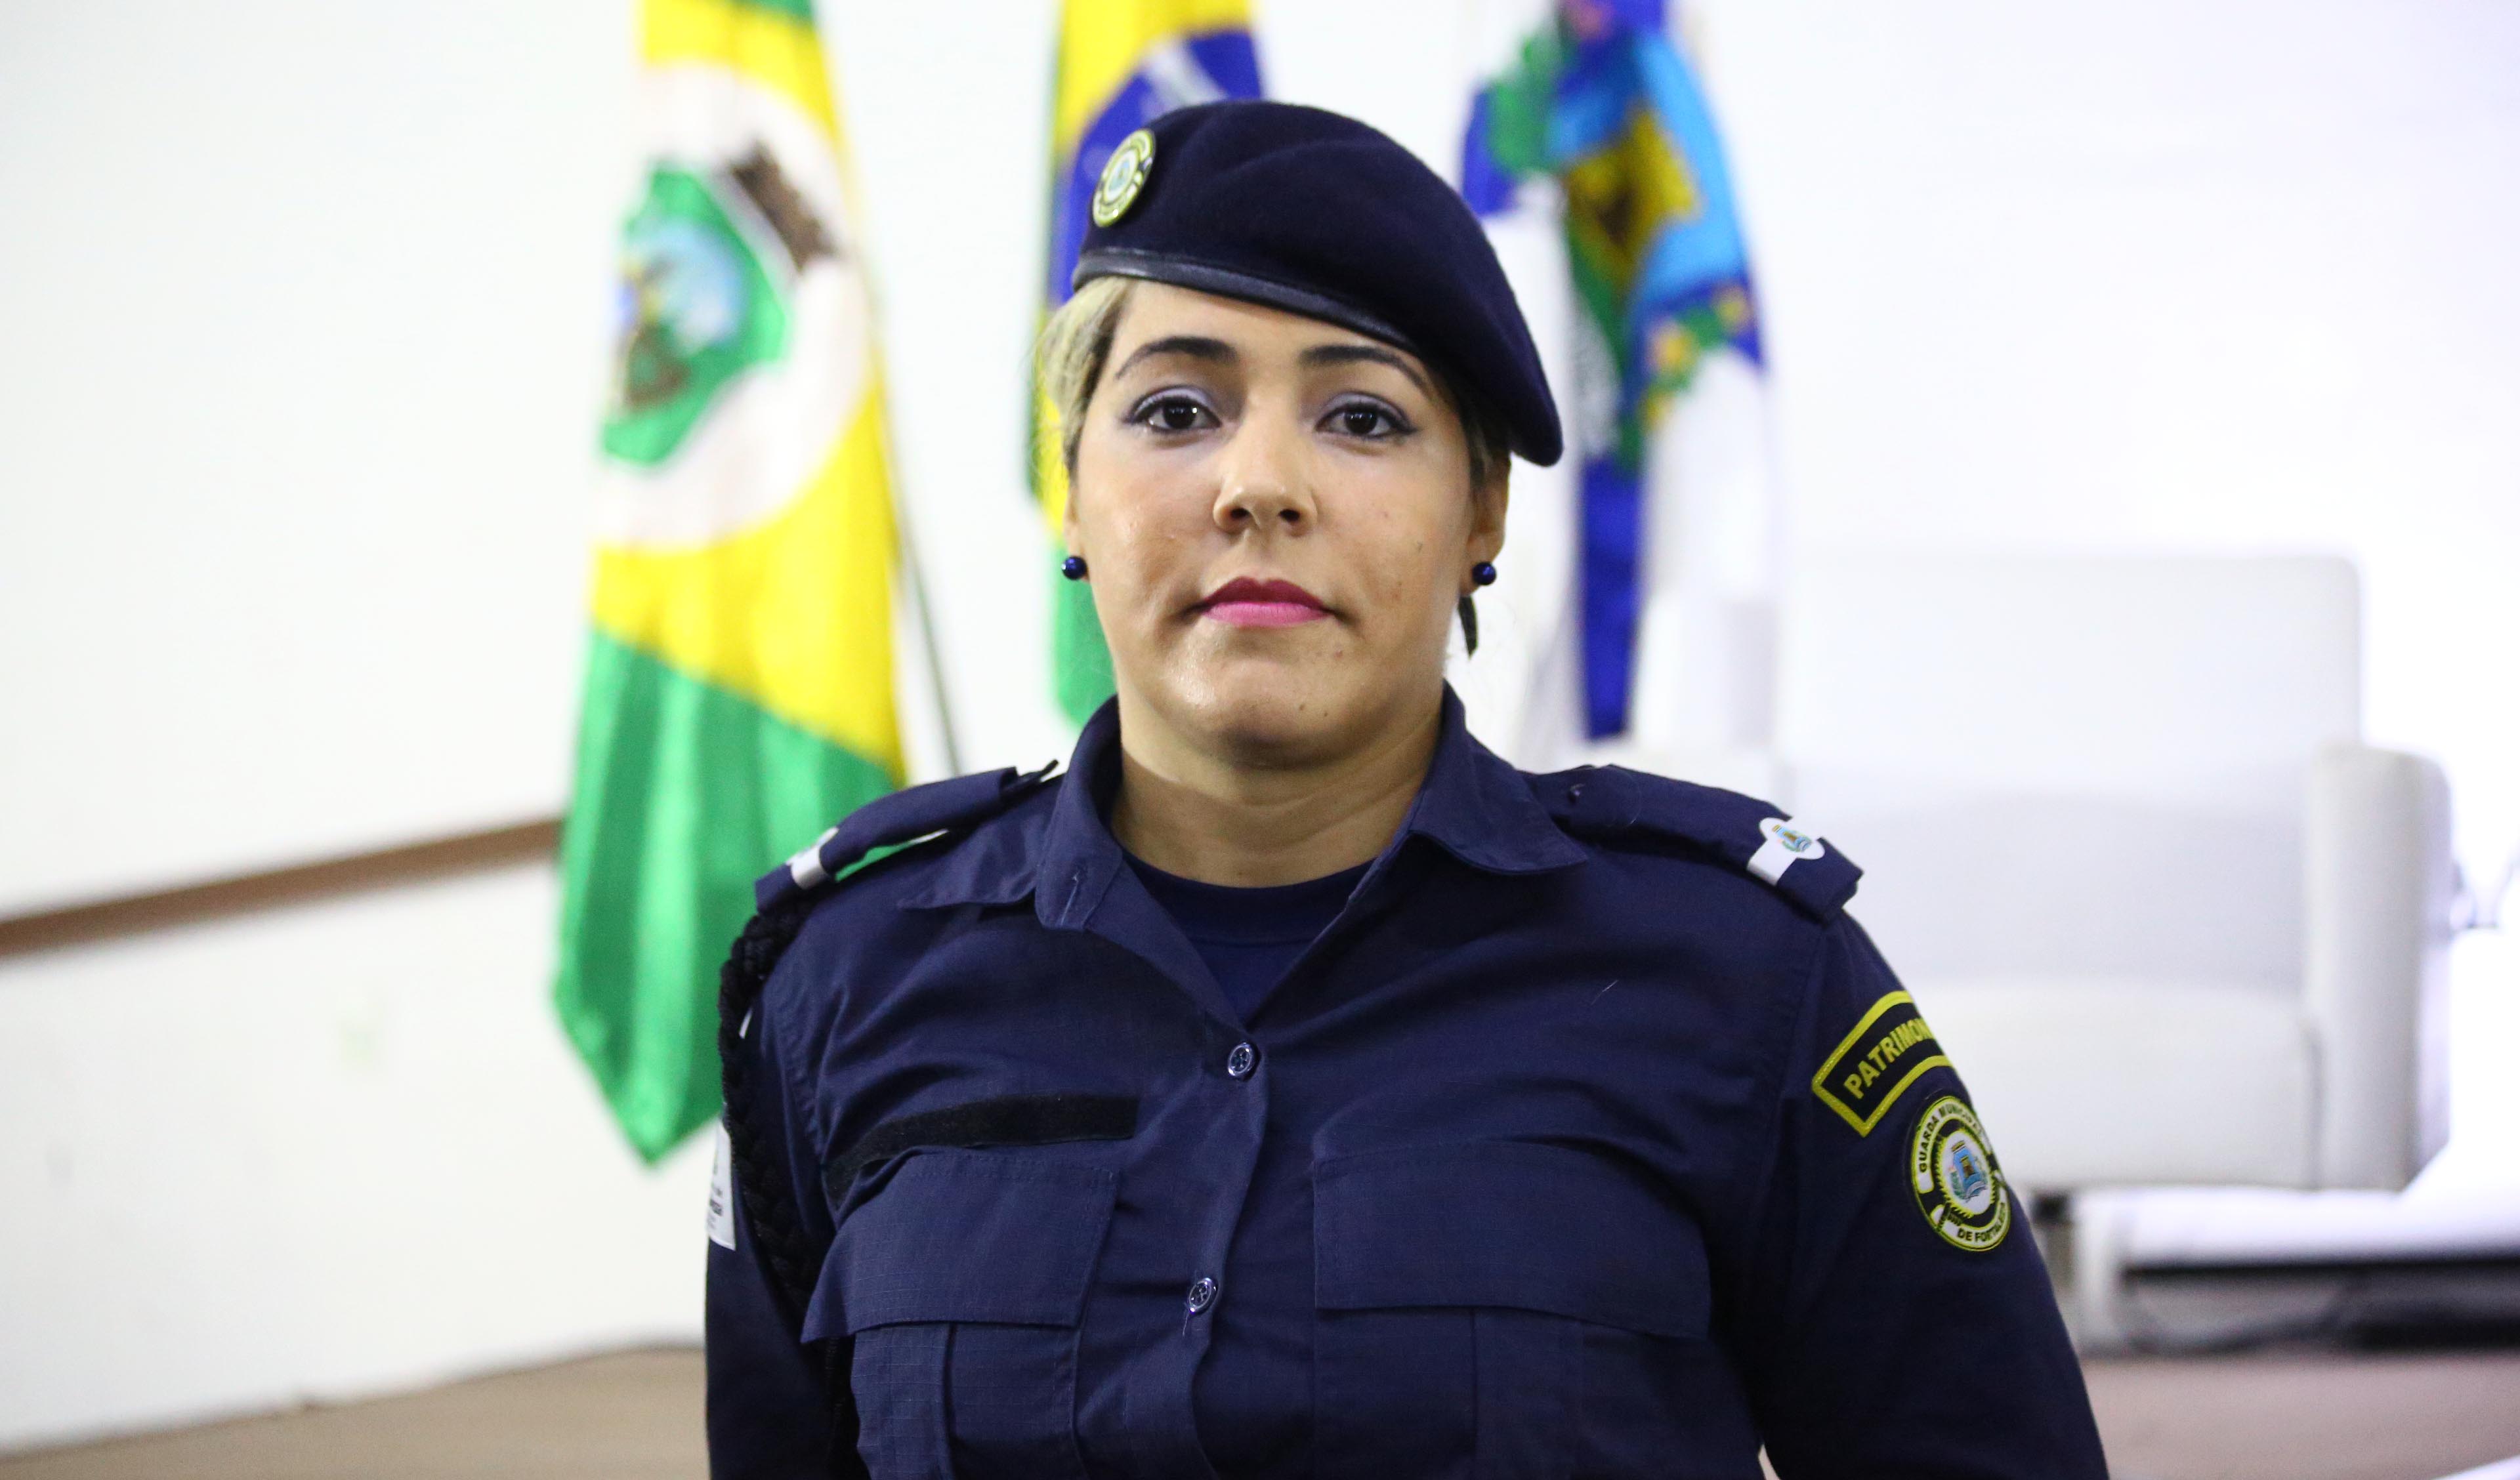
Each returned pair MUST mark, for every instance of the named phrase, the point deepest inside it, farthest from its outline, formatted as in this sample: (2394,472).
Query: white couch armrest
(2378,896)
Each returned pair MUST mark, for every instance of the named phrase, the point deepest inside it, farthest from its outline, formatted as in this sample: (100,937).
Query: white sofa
(2171,919)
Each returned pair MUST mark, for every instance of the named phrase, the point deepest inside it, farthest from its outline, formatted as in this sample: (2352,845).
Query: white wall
(2229,275)
(311,314)
(309,307)
(305,307)
(310,1154)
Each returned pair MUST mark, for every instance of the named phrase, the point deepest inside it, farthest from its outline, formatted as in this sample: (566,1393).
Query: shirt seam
(1795,1014)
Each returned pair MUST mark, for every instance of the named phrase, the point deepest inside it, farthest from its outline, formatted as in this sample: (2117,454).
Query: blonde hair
(1076,346)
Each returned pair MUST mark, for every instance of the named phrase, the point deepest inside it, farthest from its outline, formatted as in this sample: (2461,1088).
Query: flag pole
(906,551)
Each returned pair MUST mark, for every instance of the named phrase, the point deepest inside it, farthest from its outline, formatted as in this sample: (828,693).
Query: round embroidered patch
(1123,177)
(1958,1186)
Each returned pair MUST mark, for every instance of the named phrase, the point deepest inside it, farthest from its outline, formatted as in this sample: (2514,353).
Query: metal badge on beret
(1959,1185)
(1123,177)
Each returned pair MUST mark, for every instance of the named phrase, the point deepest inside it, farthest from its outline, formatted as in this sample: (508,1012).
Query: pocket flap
(1537,1228)
(967,1235)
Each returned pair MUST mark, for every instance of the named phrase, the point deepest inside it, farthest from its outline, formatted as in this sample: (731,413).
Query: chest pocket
(960,1283)
(1511,1309)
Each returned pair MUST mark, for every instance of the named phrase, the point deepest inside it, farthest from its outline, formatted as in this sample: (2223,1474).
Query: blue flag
(1601,100)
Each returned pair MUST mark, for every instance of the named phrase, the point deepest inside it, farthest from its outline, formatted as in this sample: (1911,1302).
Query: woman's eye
(1174,414)
(1363,419)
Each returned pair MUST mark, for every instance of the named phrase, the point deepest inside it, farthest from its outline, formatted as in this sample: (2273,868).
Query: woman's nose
(1262,484)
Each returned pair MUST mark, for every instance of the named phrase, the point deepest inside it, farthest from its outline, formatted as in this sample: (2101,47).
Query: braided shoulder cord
(756,1165)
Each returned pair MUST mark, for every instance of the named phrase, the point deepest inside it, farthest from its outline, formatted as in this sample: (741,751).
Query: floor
(636,1416)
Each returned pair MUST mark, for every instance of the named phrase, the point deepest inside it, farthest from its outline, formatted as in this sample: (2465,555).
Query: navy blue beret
(1320,216)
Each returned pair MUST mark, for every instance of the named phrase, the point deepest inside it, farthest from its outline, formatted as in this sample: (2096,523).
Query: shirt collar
(1079,857)
(1472,805)
(1480,809)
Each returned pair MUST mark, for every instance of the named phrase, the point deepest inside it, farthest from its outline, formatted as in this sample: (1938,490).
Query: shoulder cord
(760,1179)
(756,1165)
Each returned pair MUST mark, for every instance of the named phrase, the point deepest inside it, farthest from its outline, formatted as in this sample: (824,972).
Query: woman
(1294,1088)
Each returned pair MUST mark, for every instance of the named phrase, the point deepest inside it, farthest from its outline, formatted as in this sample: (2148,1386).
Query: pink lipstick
(1247,602)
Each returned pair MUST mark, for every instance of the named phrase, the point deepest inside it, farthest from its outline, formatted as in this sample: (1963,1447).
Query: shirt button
(1202,1294)
(1239,1062)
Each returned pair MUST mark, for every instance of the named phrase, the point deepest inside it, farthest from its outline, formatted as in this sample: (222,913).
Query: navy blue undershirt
(1248,937)
(1253,1393)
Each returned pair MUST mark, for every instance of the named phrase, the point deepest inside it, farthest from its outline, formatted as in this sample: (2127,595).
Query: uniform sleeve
(1898,1322)
(771,1414)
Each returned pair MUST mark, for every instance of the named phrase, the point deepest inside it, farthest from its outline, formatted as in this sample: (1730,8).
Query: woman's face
(1277,520)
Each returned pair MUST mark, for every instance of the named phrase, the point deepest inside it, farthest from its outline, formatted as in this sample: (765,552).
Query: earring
(1470,614)
(1483,573)
(1072,567)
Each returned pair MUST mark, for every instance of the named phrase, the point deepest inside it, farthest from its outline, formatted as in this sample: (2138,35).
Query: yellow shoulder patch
(1889,1049)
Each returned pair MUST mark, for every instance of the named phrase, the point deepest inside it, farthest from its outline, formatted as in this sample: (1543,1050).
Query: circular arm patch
(1958,1186)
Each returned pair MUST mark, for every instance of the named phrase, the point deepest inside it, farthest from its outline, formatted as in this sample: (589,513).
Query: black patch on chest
(1008,1120)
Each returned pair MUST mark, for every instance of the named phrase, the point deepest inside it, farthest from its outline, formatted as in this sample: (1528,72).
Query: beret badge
(1123,177)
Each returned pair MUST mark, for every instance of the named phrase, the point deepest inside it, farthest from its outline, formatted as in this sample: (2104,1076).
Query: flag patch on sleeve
(1889,1049)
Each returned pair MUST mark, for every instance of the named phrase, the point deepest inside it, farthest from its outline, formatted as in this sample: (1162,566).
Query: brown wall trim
(249,893)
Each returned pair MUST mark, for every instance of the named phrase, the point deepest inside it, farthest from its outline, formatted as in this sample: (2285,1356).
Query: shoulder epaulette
(1612,801)
(899,817)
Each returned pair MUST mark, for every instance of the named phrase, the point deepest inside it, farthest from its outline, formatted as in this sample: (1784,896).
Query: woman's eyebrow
(1349,355)
(1195,346)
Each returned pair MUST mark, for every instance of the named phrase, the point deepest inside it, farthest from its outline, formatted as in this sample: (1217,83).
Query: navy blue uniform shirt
(1588,1138)
(1253,1396)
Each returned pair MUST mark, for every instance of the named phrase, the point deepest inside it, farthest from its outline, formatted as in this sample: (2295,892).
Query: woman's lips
(1247,602)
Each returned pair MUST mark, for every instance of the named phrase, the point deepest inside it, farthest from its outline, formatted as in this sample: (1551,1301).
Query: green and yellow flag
(1121,65)
(739,681)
